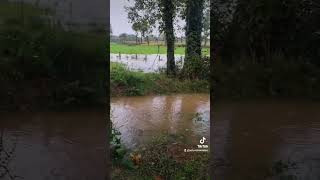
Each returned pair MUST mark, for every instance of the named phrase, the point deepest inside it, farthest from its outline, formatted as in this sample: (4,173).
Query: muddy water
(145,62)
(251,136)
(55,145)
(141,118)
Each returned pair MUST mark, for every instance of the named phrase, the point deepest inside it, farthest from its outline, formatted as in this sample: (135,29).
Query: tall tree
(167,13)
(135,27)
(206,22)
(162,13)
(143,17)
(194,25)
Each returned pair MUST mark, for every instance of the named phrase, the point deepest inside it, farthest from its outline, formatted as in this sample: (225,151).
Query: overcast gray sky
(118,18)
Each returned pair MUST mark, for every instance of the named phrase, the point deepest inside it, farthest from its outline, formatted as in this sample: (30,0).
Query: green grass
(145,49)
(130,83)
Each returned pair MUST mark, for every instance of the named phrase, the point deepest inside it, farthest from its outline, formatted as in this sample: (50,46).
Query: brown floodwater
(141,118)
(55,145)
(249,137)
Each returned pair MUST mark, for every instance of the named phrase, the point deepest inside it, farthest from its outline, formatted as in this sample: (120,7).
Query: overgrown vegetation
(44,65)
(131,83)
(162,158)
(194,27)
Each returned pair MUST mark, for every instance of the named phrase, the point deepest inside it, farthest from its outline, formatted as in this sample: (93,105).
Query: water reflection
(251,136)
(140,118)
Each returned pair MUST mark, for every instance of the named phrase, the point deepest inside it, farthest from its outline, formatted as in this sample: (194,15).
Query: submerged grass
(131,83)
(147,49)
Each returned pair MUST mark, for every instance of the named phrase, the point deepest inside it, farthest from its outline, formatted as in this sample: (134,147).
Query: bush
(132,83)
(119,153)
(196,69)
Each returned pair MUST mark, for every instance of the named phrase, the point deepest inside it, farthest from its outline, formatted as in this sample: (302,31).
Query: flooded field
(145,62)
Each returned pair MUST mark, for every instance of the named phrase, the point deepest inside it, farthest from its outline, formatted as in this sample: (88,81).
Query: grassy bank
(145,49)
(129,83)
(162,158)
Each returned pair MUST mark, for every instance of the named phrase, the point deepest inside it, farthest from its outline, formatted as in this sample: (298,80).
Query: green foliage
(156,160)
(143,16)
(194,27)
(118,152)
(133,83)
(196,68)
(125,82)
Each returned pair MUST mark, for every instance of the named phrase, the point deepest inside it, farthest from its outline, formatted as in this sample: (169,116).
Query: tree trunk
(136,38)
(205,42)
(168,15)
(193,37)
(148,40)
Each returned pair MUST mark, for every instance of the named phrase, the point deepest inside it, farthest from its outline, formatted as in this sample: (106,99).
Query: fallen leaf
(136,158)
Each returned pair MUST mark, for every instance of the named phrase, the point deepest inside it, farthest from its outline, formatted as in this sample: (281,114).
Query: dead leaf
(136,158)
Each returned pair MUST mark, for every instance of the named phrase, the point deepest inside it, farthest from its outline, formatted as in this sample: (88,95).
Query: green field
(145,49)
